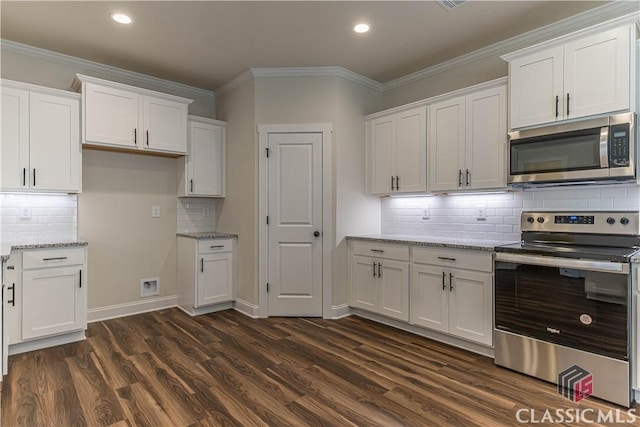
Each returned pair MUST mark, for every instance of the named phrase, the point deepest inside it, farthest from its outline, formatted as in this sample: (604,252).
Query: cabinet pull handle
(459,177)
(379,269)
(24,176)
(444,258)
(450,282)
(397,182)
(191,182)
(567,104)
(54,259)
(80,278)
(557,104)
(444,276)
(135,136)
(468,178)
(216,246)
(391,182)
(374,269)
(34,177)
(147,138)
(12,301)
(202,265)
(377,250)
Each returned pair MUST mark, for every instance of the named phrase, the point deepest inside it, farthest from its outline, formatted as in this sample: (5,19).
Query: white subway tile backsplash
(455,215)
(191,215)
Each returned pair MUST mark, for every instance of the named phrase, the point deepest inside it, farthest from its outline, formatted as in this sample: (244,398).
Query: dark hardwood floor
(167,369)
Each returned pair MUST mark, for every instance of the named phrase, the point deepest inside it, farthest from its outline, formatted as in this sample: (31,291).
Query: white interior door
(295,215)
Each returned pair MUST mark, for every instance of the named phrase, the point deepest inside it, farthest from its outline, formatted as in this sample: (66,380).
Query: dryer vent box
(150,287)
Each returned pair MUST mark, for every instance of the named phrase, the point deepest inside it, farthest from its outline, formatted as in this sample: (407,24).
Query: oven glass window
(557,153)
(580,309)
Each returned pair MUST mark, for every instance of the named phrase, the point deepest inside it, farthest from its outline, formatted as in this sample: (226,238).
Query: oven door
(575,303)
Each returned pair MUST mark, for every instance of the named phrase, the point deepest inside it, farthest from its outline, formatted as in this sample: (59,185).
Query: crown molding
(234,83)
(125,76)
(621,11)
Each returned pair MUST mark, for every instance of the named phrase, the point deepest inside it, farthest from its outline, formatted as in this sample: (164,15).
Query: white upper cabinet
(397,147)
(130,118)
(467,141)
(572,77)
(202,172)
(40,139)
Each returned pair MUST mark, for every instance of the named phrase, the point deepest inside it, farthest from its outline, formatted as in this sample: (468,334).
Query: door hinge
(267,287)
(267,150)
(267,219)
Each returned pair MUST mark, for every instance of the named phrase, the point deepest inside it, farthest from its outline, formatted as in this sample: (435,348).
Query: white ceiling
(207,43)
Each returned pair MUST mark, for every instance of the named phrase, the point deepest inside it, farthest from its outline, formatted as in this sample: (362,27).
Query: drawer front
(215,245)
(458,258)
(52,258)
(381,250)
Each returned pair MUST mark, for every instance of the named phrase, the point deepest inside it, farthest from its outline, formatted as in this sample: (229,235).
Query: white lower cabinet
(450,296)
(207,274)
(378,283)
(46,294)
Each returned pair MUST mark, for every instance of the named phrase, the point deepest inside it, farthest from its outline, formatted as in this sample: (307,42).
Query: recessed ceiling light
(361,28)
(121,18)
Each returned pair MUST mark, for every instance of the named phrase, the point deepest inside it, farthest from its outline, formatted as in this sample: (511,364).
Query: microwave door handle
(579,264)
(604,147)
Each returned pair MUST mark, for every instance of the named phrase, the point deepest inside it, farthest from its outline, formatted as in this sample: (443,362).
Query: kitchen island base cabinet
(206,274)
(46,298)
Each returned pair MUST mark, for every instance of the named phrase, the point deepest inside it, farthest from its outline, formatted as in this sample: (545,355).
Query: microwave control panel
(619,145)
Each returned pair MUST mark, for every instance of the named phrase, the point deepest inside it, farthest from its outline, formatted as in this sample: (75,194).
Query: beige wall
(238,211)
(114,215)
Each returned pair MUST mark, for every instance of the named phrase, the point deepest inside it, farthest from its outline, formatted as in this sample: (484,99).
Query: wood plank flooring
(167,369)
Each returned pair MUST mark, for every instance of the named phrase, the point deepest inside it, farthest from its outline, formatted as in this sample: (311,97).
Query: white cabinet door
(55,151)
(471,306)
(411,151)
(382,142)
(536,88)
(430,297)
(364,292)
(206,160)
(215,279)
(446,144)
(486,134)
(393,281)
(596,74)
(111,116)
(165,125)
(15,139)
(53,301)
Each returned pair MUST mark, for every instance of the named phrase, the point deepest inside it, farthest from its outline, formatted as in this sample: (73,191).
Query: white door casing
(287,247)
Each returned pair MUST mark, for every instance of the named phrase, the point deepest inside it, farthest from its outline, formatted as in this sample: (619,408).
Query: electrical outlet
(481,213)
(25,212)
(206,212)
(155,211)
(425,212)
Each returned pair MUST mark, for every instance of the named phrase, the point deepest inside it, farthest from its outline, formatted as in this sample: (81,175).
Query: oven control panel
(611,222)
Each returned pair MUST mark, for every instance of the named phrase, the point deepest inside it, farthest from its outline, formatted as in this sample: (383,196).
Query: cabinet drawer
(381,250)
(215,245)
(459,258)
(52,258)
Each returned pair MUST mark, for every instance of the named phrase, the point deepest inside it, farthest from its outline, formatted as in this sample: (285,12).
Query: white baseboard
(246,308)
(130,308)
(197,311)
(340,311)
(53,341)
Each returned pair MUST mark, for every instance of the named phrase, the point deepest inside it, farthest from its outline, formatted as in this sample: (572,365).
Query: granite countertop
(442,242)
(209,235)
(76,243)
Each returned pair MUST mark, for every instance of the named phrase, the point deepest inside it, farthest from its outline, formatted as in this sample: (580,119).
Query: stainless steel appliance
(588,150)
(562,298)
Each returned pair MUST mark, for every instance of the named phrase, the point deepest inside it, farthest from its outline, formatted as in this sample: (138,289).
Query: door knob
(316,233)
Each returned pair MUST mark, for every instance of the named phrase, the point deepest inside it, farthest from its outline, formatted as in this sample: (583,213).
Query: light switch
(155,211)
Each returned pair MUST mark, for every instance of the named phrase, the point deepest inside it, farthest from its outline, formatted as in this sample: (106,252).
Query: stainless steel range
(562,298)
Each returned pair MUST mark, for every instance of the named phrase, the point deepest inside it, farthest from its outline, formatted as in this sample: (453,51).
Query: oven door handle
(579,264)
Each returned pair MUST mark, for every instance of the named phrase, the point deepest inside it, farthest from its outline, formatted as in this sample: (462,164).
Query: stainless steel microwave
(588,150)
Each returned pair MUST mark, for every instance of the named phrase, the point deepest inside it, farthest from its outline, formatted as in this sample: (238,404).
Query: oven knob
(540,219)
(624,220)
(611,221)
(530,220)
